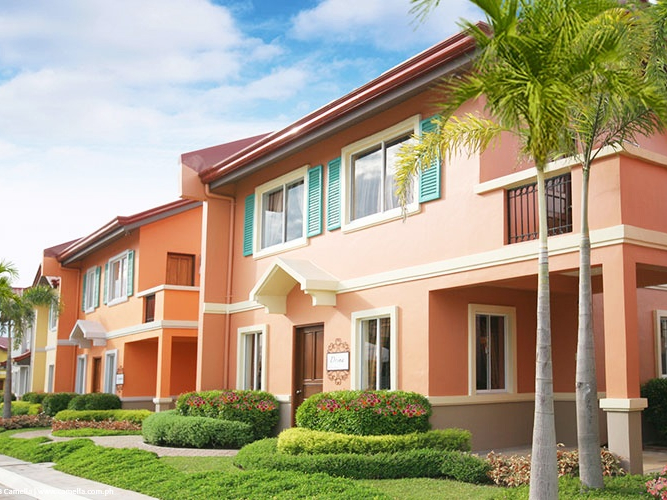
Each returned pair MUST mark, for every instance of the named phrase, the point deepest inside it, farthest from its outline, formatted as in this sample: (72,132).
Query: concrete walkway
(24,481)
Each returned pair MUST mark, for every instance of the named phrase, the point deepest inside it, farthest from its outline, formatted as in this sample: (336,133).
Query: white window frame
(661,371)
(289,178)
(509,313)
(241,368)
(356,357)
(53,317)
(408,126)
(89,297)
(110,365)
(111,299)
(81,369)
(50,377)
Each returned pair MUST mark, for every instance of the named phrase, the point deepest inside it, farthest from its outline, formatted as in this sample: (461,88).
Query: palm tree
(625,100)
(17,312)
(529,77)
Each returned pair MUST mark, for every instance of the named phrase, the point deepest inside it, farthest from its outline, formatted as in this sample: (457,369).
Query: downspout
(228,292)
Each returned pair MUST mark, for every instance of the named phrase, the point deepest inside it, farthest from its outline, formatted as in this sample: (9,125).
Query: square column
(163,380)
(624,430)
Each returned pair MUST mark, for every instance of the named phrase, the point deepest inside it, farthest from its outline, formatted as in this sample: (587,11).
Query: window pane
(385,351)
(272,218)
(482,352)
(490,352)
(294,211)
(369,354)
(392,148)
(663,345)
(497,352)
(367,183)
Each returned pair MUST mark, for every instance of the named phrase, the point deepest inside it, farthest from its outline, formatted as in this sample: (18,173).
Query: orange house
(312,280)
(129,325)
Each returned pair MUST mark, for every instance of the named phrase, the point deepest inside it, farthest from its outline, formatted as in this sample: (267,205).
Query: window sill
(114,302)
(380,218)
(284,247)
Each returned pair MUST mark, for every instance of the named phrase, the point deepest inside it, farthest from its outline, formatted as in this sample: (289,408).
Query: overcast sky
(99,98)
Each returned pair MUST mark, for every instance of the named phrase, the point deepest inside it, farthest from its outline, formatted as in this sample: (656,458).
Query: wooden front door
(97,374)
(308,363)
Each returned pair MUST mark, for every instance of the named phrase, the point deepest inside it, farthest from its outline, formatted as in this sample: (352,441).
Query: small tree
(17,313)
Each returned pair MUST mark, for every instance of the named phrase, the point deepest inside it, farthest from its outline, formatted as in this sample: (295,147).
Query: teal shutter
(96,290)
(248,221)
(429,179)
(106,282)
(333,195)
(130,273)
(83,293)
(314,223)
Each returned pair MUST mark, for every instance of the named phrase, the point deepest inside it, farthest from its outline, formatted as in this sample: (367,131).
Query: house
(3,362)
(313,280)
(129,325)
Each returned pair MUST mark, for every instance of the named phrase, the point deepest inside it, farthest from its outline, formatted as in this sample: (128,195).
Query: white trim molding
(161,288)
(623,405)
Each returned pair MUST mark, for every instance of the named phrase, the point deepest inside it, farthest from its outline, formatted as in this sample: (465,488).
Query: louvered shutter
(314,224)
(429,179)
(248,222)
(83,293)
(130,273)
(106,282)
(333,195)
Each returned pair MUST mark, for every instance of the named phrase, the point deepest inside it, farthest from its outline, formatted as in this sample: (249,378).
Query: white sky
(99,98)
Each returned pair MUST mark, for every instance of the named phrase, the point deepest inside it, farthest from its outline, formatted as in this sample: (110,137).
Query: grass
(216,477)
(90,432)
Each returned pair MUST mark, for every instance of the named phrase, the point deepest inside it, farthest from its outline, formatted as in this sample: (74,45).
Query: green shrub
(134,416)
(33,397)
(95,401)
(54,402)
(299,440)
(655,390)
(365,412)
(2,396)
(264,454)
(23,408)
(465,467)
(171,429)
(257,408)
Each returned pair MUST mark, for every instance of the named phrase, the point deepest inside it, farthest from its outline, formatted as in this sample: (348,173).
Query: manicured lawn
(201,464)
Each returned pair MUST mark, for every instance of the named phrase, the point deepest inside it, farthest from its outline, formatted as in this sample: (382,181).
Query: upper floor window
(375,352)
(368,168)
(522,212)
(119,277)
(180,269)
(53,317)
(91,289)
(282,214)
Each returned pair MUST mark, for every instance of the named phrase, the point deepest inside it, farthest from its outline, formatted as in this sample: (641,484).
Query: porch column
(622,404)
(162,398)
(212,337)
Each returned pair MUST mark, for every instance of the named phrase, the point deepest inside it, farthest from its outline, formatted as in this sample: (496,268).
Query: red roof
(3,343)
(205,158)
(419,70)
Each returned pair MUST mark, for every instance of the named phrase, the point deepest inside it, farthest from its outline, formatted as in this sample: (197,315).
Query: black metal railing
(522,216)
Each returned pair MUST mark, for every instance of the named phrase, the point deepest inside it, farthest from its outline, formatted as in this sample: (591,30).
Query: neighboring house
(3,362)
(129,325)
(313,279)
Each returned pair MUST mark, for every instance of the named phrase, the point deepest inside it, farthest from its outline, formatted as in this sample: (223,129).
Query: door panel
(308,363)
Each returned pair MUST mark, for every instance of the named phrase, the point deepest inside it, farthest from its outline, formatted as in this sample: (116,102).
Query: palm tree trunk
(588,436)
(7,406)
(543,464)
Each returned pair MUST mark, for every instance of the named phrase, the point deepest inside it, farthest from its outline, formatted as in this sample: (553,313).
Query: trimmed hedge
(134,416)
(298,440)
(34,397)
(171,429)
(264,454)
(365,413)
(95,401)
(655,390)
(23,408)
(257,408)
(54,402)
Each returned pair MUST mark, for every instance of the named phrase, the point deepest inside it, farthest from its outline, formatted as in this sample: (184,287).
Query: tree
(529,76)
(17,312)
(624,100)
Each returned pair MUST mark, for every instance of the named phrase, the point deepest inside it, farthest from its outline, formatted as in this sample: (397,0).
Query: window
(91,289)
(180,269)
(119,276)
(369,170)
(661,339)
(149,308)
(53,317)
(80,385)
(110,372)
(252,358)
(491,349)
(374,358)
(282,214)
(522,211)
(50,378)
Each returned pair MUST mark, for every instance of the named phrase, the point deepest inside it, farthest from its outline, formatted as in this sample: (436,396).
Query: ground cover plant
(365,412)
(257,408)
(26,421)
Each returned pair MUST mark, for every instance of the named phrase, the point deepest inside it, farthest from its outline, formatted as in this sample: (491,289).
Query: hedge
(134,416)
(54,402)
(431,463)
(257,408)
(298,440)
(365,412)
(95,401)
(655,391)
(23,408)
(33,397)
(171,429)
